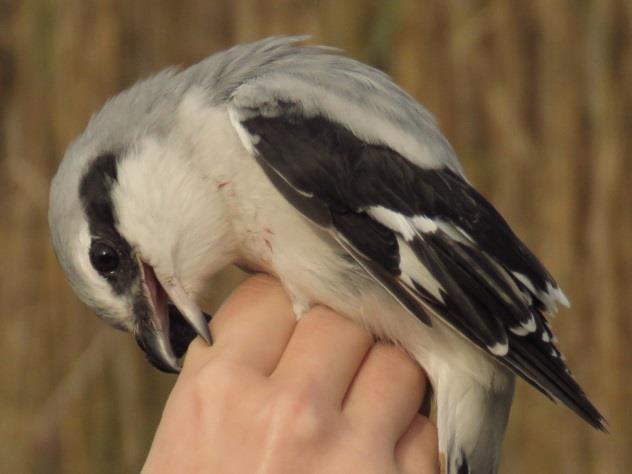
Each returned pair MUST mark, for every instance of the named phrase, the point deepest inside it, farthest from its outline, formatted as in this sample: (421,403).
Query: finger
(417,451)
(323,354)
(252,327)
(386,393)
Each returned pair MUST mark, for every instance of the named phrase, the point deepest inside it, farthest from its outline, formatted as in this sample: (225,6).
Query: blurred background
(536,98)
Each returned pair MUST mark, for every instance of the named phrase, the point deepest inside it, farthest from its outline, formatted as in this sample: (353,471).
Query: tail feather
(471,421)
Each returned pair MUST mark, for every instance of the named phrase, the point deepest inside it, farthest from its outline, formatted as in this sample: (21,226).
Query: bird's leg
(300,303)
(300,306)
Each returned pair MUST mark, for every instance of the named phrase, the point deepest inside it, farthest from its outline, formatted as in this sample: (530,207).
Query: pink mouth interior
(157,296)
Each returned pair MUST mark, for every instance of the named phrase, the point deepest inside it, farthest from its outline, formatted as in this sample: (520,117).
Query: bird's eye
(104,257)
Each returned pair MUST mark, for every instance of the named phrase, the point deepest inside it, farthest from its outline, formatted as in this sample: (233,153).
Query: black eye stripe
(117,264)
(95,194)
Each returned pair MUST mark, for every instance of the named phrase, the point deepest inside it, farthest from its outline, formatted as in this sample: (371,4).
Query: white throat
(170,200)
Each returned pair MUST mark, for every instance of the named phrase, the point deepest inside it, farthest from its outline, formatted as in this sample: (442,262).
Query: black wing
(431,239)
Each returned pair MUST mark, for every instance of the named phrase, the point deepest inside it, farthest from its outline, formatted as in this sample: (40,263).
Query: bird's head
(136,225)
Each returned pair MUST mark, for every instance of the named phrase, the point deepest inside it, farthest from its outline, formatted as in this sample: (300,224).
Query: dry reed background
(535,96)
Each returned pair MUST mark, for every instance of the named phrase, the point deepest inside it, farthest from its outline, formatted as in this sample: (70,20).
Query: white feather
(424,224)
(393,220)
(412,268)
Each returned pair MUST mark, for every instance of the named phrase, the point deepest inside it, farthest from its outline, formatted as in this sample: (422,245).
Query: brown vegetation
(535,96)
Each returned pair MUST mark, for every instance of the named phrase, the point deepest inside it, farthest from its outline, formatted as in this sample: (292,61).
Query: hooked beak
(167,320)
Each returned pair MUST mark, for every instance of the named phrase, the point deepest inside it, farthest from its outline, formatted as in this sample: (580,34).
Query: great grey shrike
(298,162)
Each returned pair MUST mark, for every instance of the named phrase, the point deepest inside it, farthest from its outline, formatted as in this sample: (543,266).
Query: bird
(292,159)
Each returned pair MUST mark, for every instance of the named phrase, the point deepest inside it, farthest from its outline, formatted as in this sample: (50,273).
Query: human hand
(276,396)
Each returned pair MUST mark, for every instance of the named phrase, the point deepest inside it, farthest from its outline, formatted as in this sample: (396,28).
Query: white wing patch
(414,272)
(525,328)
(413,269)
(424,224)
(519,330)
(408,227)
(395,221)
(499,349)
(551,297)
(554,295)
(525,281)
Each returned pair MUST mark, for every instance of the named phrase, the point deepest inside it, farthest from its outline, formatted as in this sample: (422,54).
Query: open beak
(167,321)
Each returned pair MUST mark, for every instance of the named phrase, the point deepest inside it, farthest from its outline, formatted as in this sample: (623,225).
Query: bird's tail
(471,421)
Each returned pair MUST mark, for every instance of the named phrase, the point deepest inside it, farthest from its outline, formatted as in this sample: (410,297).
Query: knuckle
(216,389)
(220,376)
(216,379)
(300,415)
